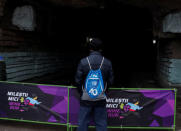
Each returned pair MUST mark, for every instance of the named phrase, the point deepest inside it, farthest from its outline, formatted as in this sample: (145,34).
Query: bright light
(154,41)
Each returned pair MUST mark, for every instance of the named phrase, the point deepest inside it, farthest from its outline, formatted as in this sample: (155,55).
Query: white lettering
(20,94)
(93,92)
(13,98)
(117,100)
(111,105)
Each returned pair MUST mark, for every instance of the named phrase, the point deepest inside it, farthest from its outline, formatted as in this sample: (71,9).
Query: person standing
(93,77)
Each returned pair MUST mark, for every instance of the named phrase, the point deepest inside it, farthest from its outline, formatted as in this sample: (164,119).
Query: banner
(34,102)
(134,108)
(60,105)
(141,108)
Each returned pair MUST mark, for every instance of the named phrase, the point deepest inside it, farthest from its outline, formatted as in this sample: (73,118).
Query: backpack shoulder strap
(89,63)
(101,63)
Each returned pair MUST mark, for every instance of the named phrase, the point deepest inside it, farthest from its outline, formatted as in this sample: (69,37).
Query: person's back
(93,63)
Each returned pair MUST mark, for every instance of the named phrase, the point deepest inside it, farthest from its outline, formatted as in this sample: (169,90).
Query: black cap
(95,44)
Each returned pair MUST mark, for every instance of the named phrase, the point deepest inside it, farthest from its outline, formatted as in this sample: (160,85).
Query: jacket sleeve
(79,77)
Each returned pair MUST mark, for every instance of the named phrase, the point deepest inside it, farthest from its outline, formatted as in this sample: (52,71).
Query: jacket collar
(95,53)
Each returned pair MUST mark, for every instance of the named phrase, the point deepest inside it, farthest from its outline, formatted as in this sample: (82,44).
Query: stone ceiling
(170,4)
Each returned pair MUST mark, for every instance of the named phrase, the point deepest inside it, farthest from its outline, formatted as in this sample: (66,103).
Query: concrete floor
(19,126)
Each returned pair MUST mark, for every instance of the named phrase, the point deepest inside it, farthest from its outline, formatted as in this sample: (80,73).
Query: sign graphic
(134,108)
(34,102)
(20,100)
(58,104)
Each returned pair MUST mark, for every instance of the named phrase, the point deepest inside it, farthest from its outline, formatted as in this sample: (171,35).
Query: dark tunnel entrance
(126,32)
(50,54)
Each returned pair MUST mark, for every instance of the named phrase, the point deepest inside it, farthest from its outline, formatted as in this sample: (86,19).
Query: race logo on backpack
(94,82)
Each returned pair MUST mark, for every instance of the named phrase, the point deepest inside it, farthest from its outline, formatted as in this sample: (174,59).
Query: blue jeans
(99,114)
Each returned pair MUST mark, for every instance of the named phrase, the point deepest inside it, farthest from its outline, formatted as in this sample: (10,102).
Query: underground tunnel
(42,41)
(125,30)
(127,35)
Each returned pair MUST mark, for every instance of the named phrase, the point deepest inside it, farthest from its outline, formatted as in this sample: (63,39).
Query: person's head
(95,44)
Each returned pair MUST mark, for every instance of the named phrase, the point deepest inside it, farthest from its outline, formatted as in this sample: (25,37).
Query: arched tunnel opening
(125,30)
(49,51)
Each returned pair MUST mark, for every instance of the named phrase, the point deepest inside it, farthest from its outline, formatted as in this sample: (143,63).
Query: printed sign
(134,108)
(34,102)
(126,108)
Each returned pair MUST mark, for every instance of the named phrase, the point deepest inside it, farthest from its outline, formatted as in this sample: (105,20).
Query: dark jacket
(95,59)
